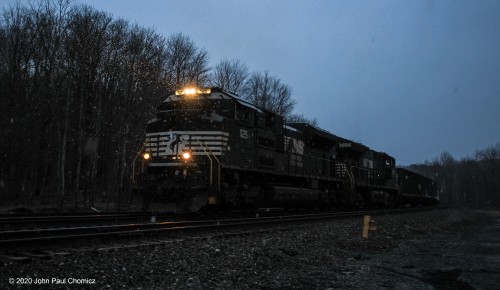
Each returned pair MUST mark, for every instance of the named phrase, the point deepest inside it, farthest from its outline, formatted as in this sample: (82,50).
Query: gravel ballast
(407,251)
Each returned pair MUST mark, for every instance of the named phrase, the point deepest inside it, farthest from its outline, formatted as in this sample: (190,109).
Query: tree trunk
(123,163)
(79,149)
(62,165)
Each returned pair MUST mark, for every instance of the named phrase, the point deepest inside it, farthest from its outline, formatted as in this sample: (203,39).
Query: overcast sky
(410,78)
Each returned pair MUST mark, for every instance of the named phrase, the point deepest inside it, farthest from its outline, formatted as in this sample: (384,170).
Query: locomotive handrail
(133,162)
(210,158)
(351,177)
(218,168)
(218,164)
(370,181)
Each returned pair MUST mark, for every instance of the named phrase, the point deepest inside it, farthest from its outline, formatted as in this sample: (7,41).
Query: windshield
(223,107)
(186,120)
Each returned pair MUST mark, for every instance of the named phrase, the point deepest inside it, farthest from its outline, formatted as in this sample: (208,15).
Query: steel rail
(50,220)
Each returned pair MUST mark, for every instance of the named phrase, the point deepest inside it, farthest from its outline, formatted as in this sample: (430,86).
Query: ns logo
(294,146)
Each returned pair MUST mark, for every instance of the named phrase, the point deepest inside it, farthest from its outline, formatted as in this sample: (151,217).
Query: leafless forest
(78,86)
(471,182)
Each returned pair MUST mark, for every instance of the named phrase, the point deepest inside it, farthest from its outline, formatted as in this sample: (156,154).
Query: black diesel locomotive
(210,148)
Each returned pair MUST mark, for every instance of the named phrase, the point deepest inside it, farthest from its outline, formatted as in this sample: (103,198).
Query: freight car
(416,189)
(208,148)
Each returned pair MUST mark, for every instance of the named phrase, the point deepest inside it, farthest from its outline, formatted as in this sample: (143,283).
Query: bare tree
(185,63)
(76,90)
(489,172)
(300,118)
(268,92)
(448,177)
(471,182)
(230,75)
(84,48)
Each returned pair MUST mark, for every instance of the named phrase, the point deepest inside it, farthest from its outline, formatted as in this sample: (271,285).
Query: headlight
(146,156)
(186,155)
(189,91)
(192,91)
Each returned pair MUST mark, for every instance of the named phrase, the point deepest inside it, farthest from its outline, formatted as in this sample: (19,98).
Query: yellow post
(366,226)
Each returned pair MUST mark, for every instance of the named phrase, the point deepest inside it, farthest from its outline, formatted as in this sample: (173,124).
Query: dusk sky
(410,78)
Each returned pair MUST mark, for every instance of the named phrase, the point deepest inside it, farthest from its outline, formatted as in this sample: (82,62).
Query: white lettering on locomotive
(294,145)
(243,134)
(298,146)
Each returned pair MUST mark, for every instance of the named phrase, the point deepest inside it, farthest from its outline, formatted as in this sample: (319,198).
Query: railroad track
(20,222)
(27,221)
(43,238)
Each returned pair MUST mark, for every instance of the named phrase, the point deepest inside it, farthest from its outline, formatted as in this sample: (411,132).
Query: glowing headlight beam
(190,91)
(186,155)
